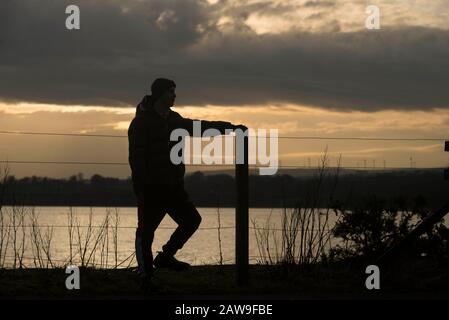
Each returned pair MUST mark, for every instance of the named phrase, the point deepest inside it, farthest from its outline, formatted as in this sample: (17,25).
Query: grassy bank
(419,278)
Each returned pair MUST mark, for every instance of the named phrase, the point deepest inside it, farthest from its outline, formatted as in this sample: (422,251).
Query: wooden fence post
(241,216)
(446,171)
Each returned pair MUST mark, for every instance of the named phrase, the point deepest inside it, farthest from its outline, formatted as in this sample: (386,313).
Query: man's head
(163,92)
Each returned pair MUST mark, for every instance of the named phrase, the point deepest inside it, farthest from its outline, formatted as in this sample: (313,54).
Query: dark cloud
(319,4)
(122,46)
(316,16)
(257,8)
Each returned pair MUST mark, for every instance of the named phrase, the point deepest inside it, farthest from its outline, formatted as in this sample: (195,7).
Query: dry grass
(304,236)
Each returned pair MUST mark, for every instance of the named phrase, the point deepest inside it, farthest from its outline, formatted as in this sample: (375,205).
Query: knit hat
(159,86)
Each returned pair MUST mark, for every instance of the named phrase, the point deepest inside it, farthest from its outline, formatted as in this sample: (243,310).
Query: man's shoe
(164,260)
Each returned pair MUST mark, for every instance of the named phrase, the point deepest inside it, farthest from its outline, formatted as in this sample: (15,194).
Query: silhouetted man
(157,182)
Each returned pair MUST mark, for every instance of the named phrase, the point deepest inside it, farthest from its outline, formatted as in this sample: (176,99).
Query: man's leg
(184,213)
(150,214)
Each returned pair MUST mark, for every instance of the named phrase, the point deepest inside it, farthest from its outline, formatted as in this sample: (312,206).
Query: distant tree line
(212,190)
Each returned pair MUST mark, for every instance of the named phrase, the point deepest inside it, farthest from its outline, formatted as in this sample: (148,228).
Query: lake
(202,248)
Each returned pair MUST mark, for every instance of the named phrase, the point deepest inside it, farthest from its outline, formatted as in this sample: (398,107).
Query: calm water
(202,248)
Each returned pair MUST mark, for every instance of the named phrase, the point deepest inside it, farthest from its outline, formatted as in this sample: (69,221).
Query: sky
(304,67)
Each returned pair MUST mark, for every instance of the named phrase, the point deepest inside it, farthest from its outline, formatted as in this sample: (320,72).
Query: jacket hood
(145,104)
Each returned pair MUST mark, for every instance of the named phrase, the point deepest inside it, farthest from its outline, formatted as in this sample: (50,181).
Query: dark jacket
(150,145)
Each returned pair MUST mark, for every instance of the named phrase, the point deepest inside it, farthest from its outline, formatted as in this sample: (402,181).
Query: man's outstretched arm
(221,126)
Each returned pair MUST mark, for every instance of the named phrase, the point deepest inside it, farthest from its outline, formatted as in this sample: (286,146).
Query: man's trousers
(157,201)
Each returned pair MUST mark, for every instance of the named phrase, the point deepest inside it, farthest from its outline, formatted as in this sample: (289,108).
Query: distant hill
(310,172)
(212,189)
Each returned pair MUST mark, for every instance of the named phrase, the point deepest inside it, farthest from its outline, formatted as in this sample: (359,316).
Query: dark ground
(416,278)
